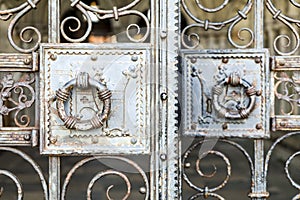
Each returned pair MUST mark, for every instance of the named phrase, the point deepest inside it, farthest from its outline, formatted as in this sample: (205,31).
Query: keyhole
(208,106)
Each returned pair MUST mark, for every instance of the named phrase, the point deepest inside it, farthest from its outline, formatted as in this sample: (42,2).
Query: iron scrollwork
(287,89)
(15,179)
(287,163)
(101,14)
(216,25)
(25,97)
(207,191)
(19,12)
(143,190)
(289,22)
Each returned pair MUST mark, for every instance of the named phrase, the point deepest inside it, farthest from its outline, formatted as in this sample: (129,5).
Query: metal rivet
(225,60)
(163,34)
(281,62)
(27,137)
(53,140)
(193,60)
(187,165)
(163,156)
(133,140)
(163,96)
(143,190)
(27,61)
(94,140)
(258,126)
(258,93)
(225,126)
(257,60)
(94,57)
(134,58)
(283,123)
(53,57)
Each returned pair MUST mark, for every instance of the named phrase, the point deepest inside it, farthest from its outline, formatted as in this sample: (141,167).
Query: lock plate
(123,71)
(225,93)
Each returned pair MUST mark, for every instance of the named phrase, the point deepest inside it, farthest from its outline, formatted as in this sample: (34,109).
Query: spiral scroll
(21,11)
(115,13)
(24,99)
(216,25)
(207,191)
(15,179)
(105,173)
(287,164)
(287,89)
(289,22)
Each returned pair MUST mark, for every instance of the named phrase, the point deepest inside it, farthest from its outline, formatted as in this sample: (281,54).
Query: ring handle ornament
(234,80)
(83,81)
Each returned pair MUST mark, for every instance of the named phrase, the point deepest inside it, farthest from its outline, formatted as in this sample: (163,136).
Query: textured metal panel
(226,93)
(18,62)
(286,83)
(125,73)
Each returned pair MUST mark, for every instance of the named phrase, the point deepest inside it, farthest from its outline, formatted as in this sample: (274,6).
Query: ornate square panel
(94,100)
(286,84)
(225,93)
(18,108)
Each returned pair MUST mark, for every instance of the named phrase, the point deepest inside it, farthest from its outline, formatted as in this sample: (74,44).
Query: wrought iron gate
(178,83)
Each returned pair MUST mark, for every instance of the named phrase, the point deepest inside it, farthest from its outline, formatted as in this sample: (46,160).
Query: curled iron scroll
(241,112)
(83,81)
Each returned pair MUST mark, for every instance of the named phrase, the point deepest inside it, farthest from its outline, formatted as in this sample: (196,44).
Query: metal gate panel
(85,87)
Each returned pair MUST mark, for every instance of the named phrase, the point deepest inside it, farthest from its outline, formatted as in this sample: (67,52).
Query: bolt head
(163,157)
(257,60)
(259,126)
(225,126)
(134,58)
(225,60)
(27,137)
(53,57)
(142,190)
(164,96)
(133,140)
(193,60)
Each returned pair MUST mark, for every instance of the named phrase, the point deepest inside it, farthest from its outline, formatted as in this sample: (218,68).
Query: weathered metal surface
(124,71)
(18,62)
(132,30)
(225,93)
(15,14)
(286,77)
(17,107)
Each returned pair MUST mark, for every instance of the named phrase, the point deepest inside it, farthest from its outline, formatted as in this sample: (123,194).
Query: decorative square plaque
(225,93)
(94,100)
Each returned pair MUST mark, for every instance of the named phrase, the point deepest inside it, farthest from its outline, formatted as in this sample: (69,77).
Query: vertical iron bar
(53,21)
(168,89)
(53,37)
(162,136)
(154,180)
(54,177)
(259,189)
(259,24)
